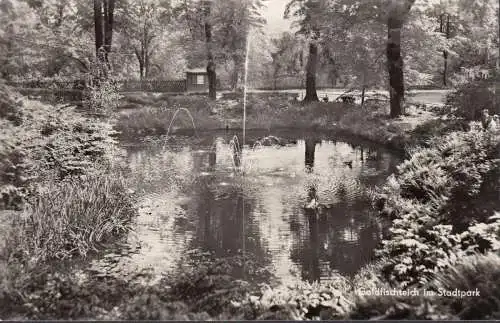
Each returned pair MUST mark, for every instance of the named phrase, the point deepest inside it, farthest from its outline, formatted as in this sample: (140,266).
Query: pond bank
(65,194)
(152,116)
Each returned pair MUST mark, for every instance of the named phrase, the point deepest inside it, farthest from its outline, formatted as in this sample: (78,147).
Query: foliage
(426,199)
(473,38)
(468,273)
(471,98)
(230,22)
(45,38)
(102,96)
(8,105)
(474,272)
(423,133)
(48,142)
(70,218)
(144,24)
(287,56)
(303,301)
(155,118)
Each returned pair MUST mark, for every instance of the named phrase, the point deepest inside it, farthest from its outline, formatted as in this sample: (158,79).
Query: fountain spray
(245,89)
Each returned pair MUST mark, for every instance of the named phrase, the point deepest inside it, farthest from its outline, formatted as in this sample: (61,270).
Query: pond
(298,205)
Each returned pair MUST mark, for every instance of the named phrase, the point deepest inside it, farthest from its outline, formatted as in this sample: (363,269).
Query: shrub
(304,300)
(470,99)
(150,121)
(427,199)
(468,273)
(481,272)
(103,96)
(423,133)
(9,107)
(49,142)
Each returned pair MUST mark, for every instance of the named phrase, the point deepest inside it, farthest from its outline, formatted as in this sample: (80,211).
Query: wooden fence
(172,86)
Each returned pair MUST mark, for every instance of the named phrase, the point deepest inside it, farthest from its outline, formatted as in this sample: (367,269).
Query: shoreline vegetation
(66,192)
(148,114)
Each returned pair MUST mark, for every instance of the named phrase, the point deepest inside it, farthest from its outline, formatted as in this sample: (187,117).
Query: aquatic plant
(71,218)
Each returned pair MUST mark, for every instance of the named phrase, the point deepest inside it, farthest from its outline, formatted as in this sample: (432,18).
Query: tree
(103,26)
(286,56)
(232,23)
(145,23)
(359,34)
(17,20)
(216,32)
(397,12)
(212,76)
(308,13)
(45,38)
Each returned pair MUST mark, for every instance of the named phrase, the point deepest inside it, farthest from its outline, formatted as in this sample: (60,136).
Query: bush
(481,272)
(103,96)
(49,142)
(470,99)
(434,200)
(468,273)
(423,133)
(9,107)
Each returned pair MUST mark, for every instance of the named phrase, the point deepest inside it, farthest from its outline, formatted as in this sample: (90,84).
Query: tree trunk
(445,28)
(445,68)
(147,63)
(309,154)
(235,74)
(212,76)
(311,94)
(98,27)
(109,8)
(397,13)
(395,66)
(141,70)
(363,95)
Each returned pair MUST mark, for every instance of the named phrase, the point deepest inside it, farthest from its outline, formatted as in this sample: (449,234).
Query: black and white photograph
(249,160)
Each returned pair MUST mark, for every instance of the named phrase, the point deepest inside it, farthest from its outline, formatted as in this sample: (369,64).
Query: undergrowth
(435,203)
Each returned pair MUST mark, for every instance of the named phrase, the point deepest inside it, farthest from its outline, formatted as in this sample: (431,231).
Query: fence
(172,86)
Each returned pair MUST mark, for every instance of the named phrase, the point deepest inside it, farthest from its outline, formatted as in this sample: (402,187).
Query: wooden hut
(197,80)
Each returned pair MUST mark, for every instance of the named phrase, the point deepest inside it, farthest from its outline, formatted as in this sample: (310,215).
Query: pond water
(193,198)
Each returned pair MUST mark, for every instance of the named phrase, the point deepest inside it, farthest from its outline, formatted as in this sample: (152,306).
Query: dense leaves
(427,199)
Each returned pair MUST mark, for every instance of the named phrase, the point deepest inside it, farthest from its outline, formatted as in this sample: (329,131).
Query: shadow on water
(300,210)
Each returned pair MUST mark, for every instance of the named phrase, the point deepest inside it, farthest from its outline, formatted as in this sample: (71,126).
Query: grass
(71,218)
(150,121)
(72,201)
(151,116)
(66,221)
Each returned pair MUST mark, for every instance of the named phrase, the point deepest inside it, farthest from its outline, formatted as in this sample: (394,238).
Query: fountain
(245,88)
(175,115)
(234,144)
(236,151)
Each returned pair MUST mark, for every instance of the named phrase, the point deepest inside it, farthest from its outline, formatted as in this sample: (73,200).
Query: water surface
(193,198)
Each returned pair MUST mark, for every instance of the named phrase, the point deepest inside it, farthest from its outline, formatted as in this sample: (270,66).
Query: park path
(435,97)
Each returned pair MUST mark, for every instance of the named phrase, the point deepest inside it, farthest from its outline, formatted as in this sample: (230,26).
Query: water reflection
(193,199)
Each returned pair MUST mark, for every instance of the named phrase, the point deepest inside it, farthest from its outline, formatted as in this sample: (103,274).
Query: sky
(273,13)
